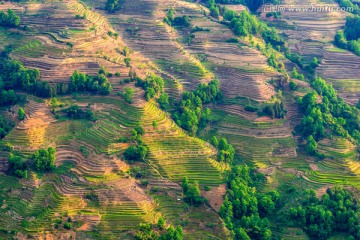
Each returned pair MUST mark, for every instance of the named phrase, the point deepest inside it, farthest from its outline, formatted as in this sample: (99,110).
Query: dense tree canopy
(5,126)
(192,192)
(180,21)
(9,19)
(244,210)
(245,24)
(351,5)
(350,38)
(327,114)
(13,75)
(190,113)
(44,160)
(153,85)
(275,109)
(75,112)
(17,166)
(226,151)
(147,231)
(136,153)
(94,84)
(337,210)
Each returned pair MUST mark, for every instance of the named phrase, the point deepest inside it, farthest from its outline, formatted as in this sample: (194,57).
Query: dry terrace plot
(62,43)
(142,28)
(144,31)
(342,69)
(241,70)
(309,31)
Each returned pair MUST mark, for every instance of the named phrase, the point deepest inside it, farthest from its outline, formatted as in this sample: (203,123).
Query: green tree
(185,184)
(214,12)
(17,166)
(293,85)
(161,223)
(193,194)
(54,104)
(311,145)
(241,234)
(163,101)
(21,114)
(214,141)
(113,5)
(9,19)
(44,160)
(136,153)
(128,95)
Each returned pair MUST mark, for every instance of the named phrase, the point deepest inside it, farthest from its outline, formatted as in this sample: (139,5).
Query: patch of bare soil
(321,191)
(266,171)
(264,119)
(215,196)
(314,167)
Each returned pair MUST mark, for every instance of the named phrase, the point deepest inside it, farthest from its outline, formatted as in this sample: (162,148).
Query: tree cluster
(296,75)
(294,57)
(75,112)
(138,151)
(17,166)
(5,126)
(190,113)
(245,24)
(153,85)
(180,21)
(113,5)
(244,210)
(148,231)
(163,101)
(325,110)
(226,151)
(350,38)
(273,62)
(275,109)
(9,19)
(13,75)
(21,114)
(44,160)
(192,192)
(127,95)
(350,5)
(94,84)
(336,211)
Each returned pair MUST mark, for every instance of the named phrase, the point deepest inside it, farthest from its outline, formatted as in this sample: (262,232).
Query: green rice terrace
(178,119)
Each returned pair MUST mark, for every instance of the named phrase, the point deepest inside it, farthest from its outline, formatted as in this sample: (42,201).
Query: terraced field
(165,47)
(242,70)
(65,36)
(311,34)
(177,155)
(62,43)
(310,31)
(343,166)
(341,68)
(123,203)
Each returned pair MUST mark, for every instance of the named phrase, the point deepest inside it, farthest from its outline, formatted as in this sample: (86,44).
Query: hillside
(154,119)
